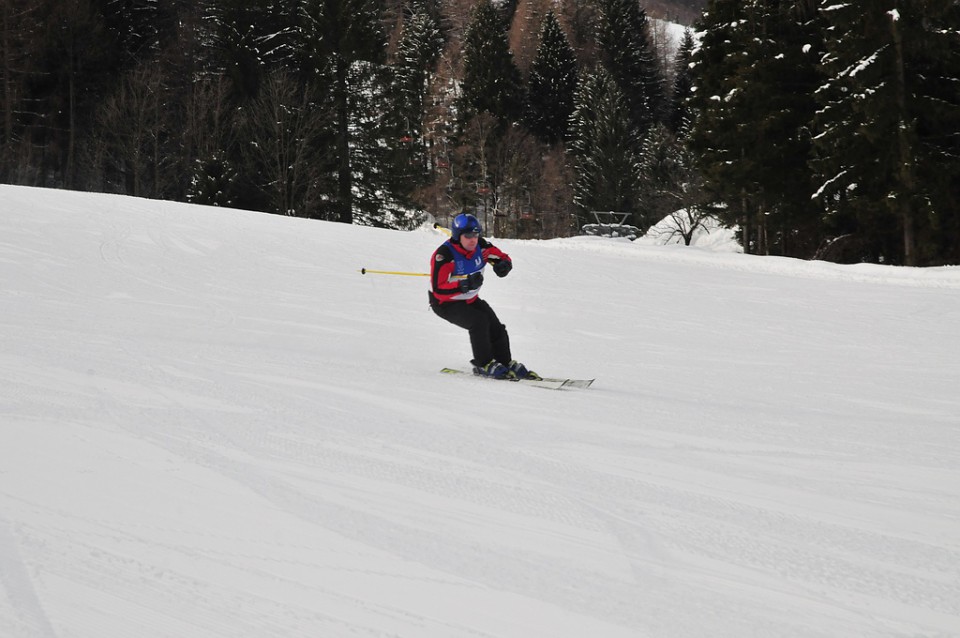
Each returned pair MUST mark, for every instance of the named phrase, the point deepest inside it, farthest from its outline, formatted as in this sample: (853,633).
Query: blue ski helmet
(464,223)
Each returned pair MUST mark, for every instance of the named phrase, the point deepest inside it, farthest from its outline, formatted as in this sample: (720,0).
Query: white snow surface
(212,425)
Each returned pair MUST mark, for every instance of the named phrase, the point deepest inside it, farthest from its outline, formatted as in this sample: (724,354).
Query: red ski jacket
(451,263)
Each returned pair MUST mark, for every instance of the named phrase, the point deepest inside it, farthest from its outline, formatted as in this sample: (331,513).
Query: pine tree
(627,52)
(670,181)
(777,105)
(213,181)
(938,131)
(381,178)
(20,29)
(251,38)
(606,149)
(672,187)
(418,50)
(553,81)
(70,79)
(141,29)
(343,44)
(714,140)
(491,80)
(754,74)
(884,135)
(680,118)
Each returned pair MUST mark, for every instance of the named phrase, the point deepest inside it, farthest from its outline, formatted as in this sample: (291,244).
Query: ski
(573,383)
(549,383)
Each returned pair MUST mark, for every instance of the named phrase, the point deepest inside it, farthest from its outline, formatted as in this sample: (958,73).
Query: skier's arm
(502,264)
(441,274)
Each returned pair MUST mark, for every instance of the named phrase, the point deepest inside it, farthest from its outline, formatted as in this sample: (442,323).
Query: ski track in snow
(28,615)
(212,425)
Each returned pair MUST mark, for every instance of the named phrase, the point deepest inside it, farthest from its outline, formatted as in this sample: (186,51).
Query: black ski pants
(488,336)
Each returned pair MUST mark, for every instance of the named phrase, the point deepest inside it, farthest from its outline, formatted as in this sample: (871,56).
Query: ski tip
(578,384)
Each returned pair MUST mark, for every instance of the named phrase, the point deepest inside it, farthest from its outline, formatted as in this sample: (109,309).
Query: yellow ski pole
(364,271)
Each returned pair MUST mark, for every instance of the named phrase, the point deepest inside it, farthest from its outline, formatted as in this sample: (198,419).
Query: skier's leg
(476,321)
(499,339)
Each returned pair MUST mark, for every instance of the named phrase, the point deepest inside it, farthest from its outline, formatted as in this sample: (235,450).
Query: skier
(456,273)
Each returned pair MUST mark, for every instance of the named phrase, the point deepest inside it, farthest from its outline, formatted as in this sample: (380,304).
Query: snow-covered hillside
(212,425)
(671,35)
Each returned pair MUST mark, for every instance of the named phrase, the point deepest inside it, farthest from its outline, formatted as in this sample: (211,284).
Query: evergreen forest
(825,129)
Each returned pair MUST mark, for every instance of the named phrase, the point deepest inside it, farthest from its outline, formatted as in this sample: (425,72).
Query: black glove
(502,267)
(471,282)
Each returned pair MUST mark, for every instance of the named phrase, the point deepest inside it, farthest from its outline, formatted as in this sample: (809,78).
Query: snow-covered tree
(679,118)
(141,29)
(886,132)
(553,81)
(251,38)
(419,48)
(342,45)
(671,184)
(491,80)
(606,149)
(381,180)
(754,75)
(213,181)
(627,52)
(420,45)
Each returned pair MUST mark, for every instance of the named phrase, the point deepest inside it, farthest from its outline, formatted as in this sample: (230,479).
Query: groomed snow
(212,425)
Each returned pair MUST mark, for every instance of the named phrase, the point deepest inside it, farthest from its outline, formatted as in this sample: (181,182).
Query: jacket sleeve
(492,254)
(441,271)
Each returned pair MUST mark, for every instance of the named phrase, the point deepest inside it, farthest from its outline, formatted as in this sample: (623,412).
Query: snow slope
(211,425)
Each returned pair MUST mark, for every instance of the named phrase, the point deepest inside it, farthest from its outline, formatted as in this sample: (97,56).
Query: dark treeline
(832,129)
(823,130)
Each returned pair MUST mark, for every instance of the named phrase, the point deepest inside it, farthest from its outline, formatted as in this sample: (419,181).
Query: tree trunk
(6,89)
(904,200)
(344,173)
(72,119)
